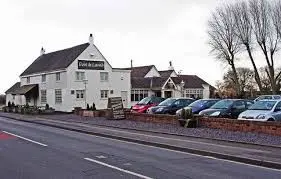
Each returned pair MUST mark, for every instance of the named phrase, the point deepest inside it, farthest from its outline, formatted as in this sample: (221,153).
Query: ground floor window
(43,96)
(58,96)
(194,93)
(104,94)
(80,94)
(137,95)
(28,99)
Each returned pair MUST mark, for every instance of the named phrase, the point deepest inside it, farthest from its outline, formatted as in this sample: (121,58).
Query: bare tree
(222,39)
(246,80)
(244,31)
(266,36)
(277,16)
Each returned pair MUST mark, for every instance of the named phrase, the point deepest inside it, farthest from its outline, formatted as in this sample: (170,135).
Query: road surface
(35,151)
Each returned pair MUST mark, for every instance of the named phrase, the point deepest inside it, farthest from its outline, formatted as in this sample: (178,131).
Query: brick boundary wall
(154,118)
(272,128)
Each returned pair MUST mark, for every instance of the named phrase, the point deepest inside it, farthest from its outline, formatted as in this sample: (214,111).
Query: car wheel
(270,119)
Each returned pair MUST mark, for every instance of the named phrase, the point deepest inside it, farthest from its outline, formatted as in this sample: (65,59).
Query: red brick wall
(273,128)
(159,118)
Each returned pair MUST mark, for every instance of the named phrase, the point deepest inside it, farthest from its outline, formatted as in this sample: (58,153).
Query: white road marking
(29,140)
(117,168)
(186,153)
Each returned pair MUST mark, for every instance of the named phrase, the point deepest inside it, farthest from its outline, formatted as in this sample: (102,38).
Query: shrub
(13,104)
(186,113)
(94,107)
(47,106)
(9,104)
(88,107)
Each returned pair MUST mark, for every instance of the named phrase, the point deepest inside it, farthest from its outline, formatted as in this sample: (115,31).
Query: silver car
(263,110)
(262,97)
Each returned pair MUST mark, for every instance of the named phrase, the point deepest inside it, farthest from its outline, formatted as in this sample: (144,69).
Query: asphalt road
(35,151)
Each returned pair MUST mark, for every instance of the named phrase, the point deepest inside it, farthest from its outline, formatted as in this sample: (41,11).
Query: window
(137,95)
(104,94)
(103,76)
(72,92)
(28,80)
(43,78)
(80,76)
(28,99)
(43,96)
(58,97)
(80,94)
(278,107)
(194,93)
(14,97)
(58,76)
(239,105)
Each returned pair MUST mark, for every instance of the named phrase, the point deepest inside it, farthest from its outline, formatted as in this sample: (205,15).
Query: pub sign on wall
(90,65)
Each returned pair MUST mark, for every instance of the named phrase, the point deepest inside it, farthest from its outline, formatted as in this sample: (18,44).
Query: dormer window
(58,76)
(44,78)
(28,80)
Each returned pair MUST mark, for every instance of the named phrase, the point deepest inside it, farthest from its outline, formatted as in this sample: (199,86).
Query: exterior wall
(119,80)
(18,100)
(206,91)
(152,73)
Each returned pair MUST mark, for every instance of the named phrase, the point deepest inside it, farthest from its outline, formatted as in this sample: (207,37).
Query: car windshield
(144,101)
(223,104)
(167,102)
(263,97)
(263,105)
(198,103)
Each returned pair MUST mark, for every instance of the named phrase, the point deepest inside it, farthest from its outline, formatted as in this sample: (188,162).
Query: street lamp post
(85,83)
(182,88)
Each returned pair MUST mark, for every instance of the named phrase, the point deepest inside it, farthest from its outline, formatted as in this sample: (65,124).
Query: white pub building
(80,75)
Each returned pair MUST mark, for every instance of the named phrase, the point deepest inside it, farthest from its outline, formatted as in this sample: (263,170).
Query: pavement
(30,150)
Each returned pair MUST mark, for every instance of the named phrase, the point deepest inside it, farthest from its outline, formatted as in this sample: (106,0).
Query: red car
(145,103)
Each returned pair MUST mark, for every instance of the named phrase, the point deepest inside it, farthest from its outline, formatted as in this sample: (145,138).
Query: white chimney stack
(91,39)
(42,52)
(171,66)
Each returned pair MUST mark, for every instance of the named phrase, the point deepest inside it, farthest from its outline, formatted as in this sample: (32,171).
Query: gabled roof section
(166,73)
(191,81)
(140,71)
(55,60)
(153,82)
(13,88)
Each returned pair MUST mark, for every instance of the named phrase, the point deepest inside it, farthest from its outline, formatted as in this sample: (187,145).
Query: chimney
(42,52)
(131,63)
(171,66)
(91,39)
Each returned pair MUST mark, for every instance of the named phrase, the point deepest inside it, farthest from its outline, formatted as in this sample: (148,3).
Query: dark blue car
(199,105)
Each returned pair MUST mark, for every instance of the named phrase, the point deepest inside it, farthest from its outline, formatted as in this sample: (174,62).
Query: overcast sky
(147,31)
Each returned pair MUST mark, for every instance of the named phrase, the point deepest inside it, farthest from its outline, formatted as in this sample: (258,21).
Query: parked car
(170,106)
(263,110)
(267,97)
(199,105)
(145,103)
(227,108)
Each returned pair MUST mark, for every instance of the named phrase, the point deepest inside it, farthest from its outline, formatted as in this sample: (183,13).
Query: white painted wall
(119,80)
(206,91)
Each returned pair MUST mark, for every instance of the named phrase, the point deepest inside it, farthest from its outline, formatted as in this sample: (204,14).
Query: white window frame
(58,76)
(58,96)
(80,76)
(43,96)
(28,80)
(137,95)
(104,76)
(80,94)
(104,94)
(43,78)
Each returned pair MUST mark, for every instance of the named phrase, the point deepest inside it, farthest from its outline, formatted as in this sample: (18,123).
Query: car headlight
(261,116)
(215,113)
